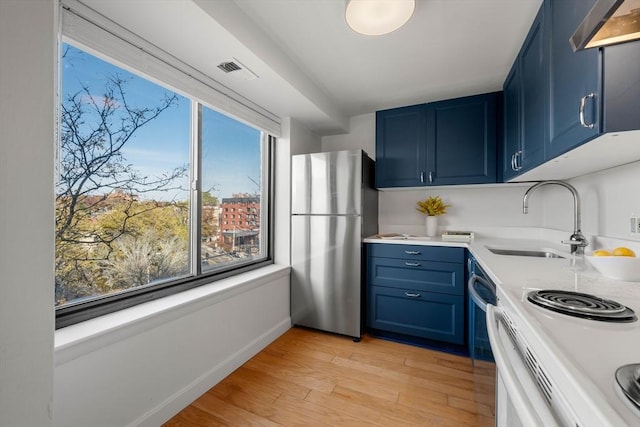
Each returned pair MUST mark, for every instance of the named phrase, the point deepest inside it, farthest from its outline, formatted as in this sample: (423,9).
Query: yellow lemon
(622,251)
(601,252)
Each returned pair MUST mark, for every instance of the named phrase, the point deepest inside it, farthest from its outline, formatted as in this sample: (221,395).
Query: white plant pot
(431,226)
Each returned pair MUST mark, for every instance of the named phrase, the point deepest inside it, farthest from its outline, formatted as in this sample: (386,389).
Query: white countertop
(584,353)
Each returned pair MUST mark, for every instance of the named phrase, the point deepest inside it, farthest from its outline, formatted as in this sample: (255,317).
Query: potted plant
(432,206)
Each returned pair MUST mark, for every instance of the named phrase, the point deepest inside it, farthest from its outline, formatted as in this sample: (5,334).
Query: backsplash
(471,207)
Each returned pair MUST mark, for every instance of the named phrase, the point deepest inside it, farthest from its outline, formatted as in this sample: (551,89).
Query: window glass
(122,207)
(231,182)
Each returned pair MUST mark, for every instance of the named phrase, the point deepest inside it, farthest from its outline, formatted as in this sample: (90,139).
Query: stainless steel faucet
(577,239)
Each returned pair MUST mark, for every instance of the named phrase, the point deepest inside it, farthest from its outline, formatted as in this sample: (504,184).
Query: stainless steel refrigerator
(334,205)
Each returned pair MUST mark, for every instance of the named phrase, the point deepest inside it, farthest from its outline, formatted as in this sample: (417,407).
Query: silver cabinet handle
(517,162)
(583,104)
(430,177)
(412,252)
(412,264)
(513,162)
(422,175)
(412,294)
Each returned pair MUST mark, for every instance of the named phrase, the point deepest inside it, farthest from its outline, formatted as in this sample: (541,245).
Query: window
(140,192)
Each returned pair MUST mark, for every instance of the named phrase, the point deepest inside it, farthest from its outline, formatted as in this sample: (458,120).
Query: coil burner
(582,305)
(628,379)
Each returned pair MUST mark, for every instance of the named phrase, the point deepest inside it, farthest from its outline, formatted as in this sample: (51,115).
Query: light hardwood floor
(310,378)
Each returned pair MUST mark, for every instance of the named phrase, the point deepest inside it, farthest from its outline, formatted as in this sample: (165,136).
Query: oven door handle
(475,296)
(517,395)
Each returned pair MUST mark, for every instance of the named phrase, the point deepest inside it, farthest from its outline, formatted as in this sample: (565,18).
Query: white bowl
(617,267)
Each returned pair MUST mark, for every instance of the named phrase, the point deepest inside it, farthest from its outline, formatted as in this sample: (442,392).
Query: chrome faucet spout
(576,240)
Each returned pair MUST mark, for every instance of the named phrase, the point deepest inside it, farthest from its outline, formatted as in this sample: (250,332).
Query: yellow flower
(432,206)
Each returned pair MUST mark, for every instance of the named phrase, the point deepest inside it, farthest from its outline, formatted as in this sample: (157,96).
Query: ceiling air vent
(229,67)
(237,70)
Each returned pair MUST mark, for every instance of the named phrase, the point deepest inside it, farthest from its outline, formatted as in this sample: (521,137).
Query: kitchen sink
(540,253)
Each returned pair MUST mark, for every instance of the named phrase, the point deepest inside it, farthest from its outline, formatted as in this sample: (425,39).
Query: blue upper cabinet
(440,143)
(556,99)
(401,147)
(461,140)
(573,79)
(525,105)
(533,105)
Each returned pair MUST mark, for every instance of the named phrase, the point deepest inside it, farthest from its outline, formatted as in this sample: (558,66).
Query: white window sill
(82,338)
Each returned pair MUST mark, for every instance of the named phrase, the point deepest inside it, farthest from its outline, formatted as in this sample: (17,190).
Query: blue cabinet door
(421,314)
(572,76)
(510,151)
(401,157)
(533,105)
(525,105)
(461,140)
(621,87)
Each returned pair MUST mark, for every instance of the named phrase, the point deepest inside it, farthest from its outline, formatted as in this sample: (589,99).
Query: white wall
(142,373)
(362,135)
(26,211)
(608,198)
(301,139)
(471,208)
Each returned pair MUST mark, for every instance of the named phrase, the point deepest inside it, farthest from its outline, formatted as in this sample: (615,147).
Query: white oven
(525,394)
(555,369)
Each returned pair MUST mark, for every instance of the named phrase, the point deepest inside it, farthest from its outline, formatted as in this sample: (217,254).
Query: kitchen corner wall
(608,198)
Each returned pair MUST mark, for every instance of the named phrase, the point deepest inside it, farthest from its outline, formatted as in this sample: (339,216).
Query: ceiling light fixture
(377,17)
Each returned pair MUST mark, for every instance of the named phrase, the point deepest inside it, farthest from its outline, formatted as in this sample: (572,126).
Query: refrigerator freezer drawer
(326,269)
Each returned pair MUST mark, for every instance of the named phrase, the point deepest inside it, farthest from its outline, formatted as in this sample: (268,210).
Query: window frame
(79,311)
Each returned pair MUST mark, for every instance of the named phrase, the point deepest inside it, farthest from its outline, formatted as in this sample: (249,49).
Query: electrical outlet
(634,223)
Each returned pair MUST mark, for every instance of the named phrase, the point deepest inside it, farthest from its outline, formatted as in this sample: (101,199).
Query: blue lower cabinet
(416,294)
(434,316)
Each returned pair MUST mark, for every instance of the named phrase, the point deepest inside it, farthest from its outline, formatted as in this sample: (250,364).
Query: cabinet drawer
(416,313)
(440,277)
(429,253)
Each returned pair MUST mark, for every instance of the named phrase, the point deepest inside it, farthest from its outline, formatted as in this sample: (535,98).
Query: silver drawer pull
(412,264)
(412,295)
(412,252)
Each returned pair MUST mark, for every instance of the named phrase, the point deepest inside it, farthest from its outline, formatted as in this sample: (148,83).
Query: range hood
(608,22)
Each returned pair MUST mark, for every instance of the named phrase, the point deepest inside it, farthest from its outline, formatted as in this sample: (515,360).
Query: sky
(230,149)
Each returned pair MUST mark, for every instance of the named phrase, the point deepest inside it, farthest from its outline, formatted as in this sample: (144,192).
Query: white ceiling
(312,67)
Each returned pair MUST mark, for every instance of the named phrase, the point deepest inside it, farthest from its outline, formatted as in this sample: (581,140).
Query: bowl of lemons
(620,263)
